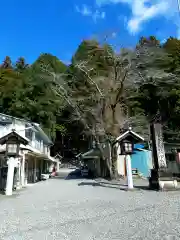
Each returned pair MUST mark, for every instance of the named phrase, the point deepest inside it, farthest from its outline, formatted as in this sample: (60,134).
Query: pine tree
(7,63)
(21,65)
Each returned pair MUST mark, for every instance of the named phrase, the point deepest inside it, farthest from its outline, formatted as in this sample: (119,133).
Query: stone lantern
(12,141)
(126,142)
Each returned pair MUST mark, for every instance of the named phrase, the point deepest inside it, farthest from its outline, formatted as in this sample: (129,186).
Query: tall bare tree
(100,102)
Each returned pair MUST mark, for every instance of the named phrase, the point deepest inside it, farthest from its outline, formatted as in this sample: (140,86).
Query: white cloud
(141,14)
(145,10)
(98,15)
(104,2)
(87,12)
(114,34)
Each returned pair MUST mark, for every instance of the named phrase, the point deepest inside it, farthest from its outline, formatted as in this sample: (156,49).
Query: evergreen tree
(7,63)
(21,65)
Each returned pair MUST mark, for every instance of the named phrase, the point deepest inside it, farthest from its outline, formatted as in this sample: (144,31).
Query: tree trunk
(114,162)
(114,132)
(110,161)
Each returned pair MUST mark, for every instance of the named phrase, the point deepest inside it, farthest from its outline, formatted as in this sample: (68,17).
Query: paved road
(61,209)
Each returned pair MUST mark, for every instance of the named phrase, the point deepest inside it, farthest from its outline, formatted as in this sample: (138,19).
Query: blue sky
(29,28)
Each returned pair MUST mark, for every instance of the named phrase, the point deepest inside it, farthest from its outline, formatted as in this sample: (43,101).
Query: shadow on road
(142,187)
(89,184)
(114,184)
(119,186)
(96,184)
(74,174)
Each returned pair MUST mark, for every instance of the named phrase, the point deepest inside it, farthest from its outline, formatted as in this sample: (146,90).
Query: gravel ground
(79,210)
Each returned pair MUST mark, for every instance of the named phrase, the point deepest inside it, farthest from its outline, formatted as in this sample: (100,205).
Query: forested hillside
(99,93)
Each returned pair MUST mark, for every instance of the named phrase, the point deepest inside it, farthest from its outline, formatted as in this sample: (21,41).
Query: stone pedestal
(168,185)
(162,179)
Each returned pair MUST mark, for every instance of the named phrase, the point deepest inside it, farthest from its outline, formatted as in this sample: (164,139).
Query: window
(28,132)
(45,148)
(12,148)
(128,147)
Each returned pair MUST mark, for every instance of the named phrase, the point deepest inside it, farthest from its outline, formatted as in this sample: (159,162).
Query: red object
(53,174)
(178,157)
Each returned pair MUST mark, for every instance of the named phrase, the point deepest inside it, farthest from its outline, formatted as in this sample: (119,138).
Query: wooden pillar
(125,169)
(23,170)
(34,170)
(41,167)
(57,166)
(18,183)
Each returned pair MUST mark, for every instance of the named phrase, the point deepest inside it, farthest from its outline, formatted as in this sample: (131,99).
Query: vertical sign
(160,145)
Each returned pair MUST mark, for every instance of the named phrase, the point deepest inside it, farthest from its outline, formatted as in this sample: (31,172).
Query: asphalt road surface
(81,210)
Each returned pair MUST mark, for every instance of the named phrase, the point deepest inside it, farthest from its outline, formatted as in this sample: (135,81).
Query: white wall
(5,129)
(19,126)
(36,143)
(2,148)
(121,165)
(120,161)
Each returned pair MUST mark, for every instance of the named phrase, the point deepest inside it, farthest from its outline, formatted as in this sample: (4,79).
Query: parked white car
(45,176)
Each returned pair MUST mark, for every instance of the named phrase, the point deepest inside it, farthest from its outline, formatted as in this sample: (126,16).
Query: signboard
(159,145)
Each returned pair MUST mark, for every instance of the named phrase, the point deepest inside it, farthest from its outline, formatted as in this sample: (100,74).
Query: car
(47,175)
(85,171)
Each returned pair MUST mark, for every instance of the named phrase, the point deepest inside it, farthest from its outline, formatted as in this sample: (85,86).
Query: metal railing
(39,146)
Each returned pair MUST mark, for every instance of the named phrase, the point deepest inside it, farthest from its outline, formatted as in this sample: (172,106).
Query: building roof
(93,153)
(44,137)
(15,135)
(79,154)
(58,156)
(6,119)
(141,150)
(129,132)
